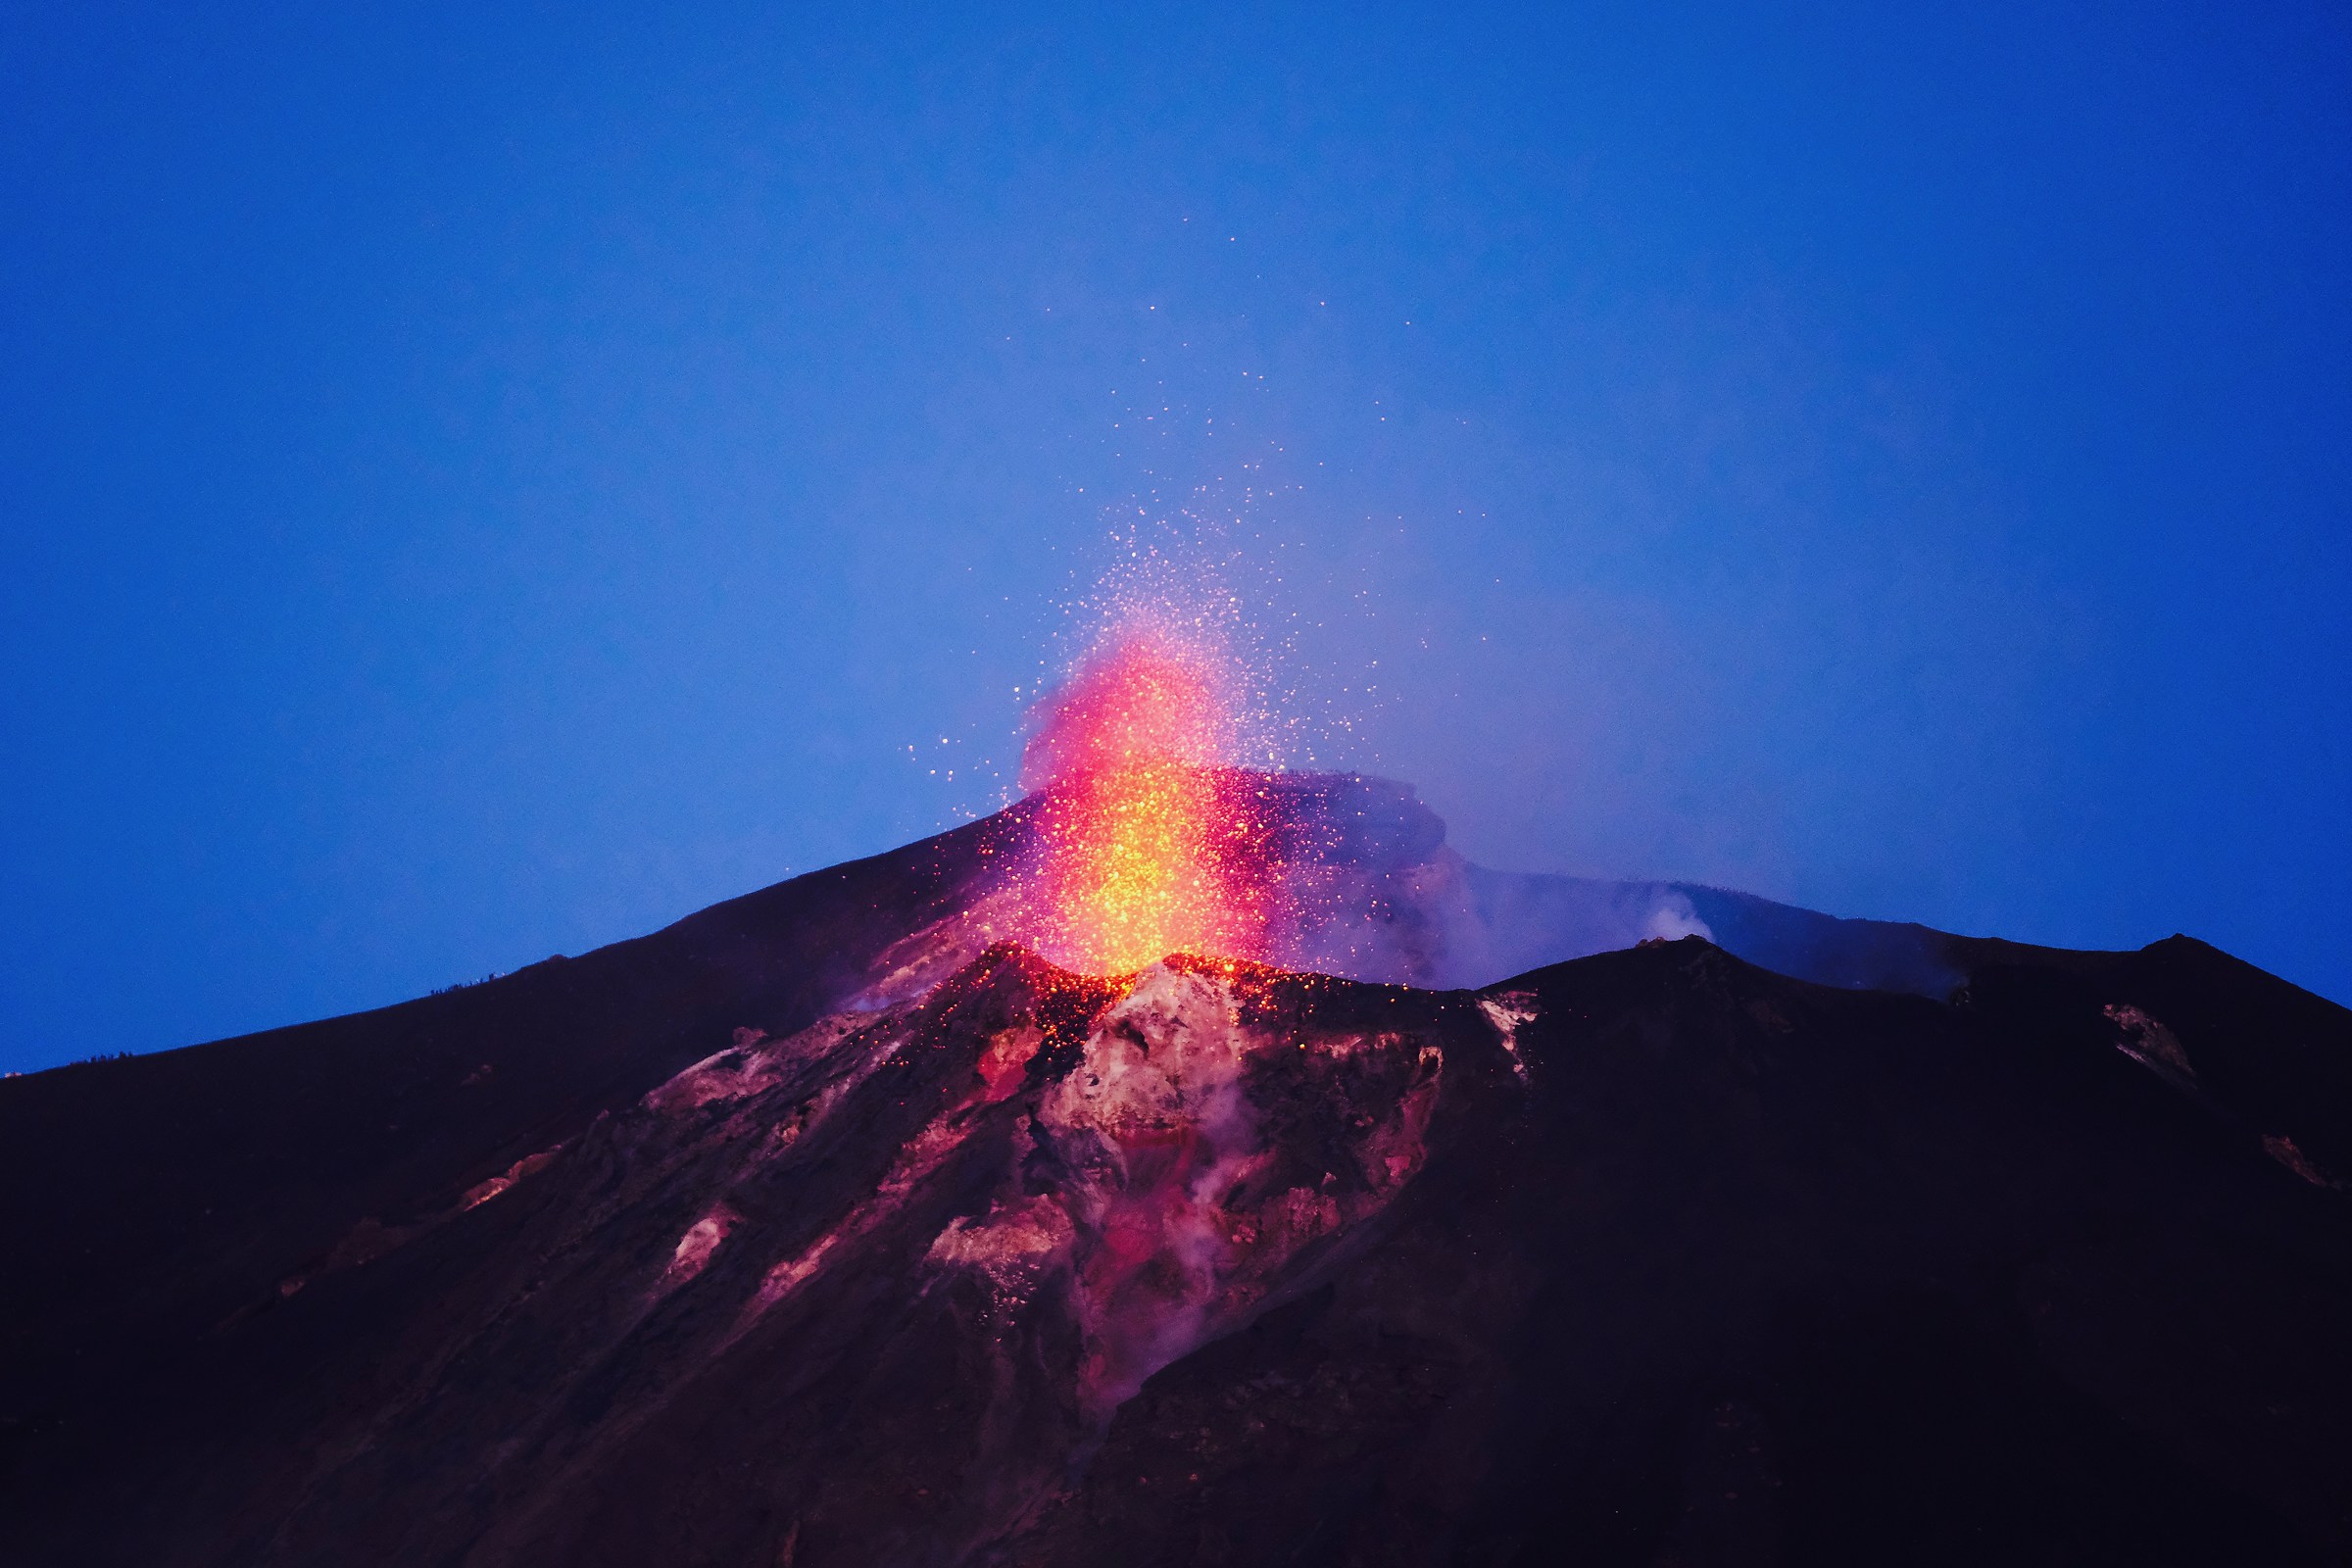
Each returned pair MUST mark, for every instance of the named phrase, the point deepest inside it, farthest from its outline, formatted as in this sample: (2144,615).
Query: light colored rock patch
(1166,1056)
(913,966)
(481,1193)
(697,1246)
(2148,1042)
(1175,1234)
(1004,1064)
(753,1063)
(2282,1149)
(787,1276)
(1010,1247)
(1396,1147)
(1509,1012)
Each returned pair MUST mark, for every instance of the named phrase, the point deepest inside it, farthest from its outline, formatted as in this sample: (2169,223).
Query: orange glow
(1147,842)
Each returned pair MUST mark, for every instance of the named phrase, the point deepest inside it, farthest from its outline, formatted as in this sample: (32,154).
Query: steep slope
(1653,1256)
(1758,1272)
(156,1198)
(824,1227)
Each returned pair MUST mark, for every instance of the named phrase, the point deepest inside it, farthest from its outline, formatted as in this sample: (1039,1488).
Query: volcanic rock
(823,1229)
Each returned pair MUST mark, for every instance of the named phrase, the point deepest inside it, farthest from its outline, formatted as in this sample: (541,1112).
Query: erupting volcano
(1148,841)
(1197,1164)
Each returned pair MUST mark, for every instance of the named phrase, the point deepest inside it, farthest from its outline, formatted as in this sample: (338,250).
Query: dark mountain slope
(1651,1257)
(153,1198)
(2272,1056)
(1759,1273)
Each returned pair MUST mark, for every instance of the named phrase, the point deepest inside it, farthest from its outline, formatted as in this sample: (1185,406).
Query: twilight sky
(480,483)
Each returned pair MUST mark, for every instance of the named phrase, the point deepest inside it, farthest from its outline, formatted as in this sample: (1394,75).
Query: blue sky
(482,482)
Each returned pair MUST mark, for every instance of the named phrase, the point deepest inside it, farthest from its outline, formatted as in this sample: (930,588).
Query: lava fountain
(1150,841)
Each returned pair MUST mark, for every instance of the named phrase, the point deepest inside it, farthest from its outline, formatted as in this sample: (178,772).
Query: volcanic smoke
(1150,841)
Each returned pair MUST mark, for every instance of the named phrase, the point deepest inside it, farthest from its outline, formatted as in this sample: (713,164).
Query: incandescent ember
(1148,842)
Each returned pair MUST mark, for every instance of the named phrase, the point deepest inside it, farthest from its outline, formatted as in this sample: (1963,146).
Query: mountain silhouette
(1506,1220)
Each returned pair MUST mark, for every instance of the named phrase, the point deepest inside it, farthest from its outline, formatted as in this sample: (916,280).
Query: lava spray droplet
(1150,840)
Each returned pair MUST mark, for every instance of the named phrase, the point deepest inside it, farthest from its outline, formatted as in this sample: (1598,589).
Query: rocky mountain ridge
(808,1232)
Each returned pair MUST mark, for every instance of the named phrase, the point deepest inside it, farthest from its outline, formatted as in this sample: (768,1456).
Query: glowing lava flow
(1148,842)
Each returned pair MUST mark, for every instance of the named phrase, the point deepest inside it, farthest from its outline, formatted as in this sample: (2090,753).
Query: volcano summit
(1463,1217)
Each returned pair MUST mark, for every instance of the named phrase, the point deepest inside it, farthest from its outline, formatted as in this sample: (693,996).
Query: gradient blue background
(481,483)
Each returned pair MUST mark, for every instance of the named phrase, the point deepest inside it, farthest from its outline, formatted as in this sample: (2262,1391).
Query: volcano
(1475,1218)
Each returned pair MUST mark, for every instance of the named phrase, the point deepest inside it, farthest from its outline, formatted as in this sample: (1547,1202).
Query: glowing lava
(1149,842)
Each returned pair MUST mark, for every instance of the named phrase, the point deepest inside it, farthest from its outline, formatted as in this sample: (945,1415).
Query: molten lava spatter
(1148,842)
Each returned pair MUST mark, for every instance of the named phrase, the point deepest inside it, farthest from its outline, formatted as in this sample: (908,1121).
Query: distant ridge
(819,1228)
